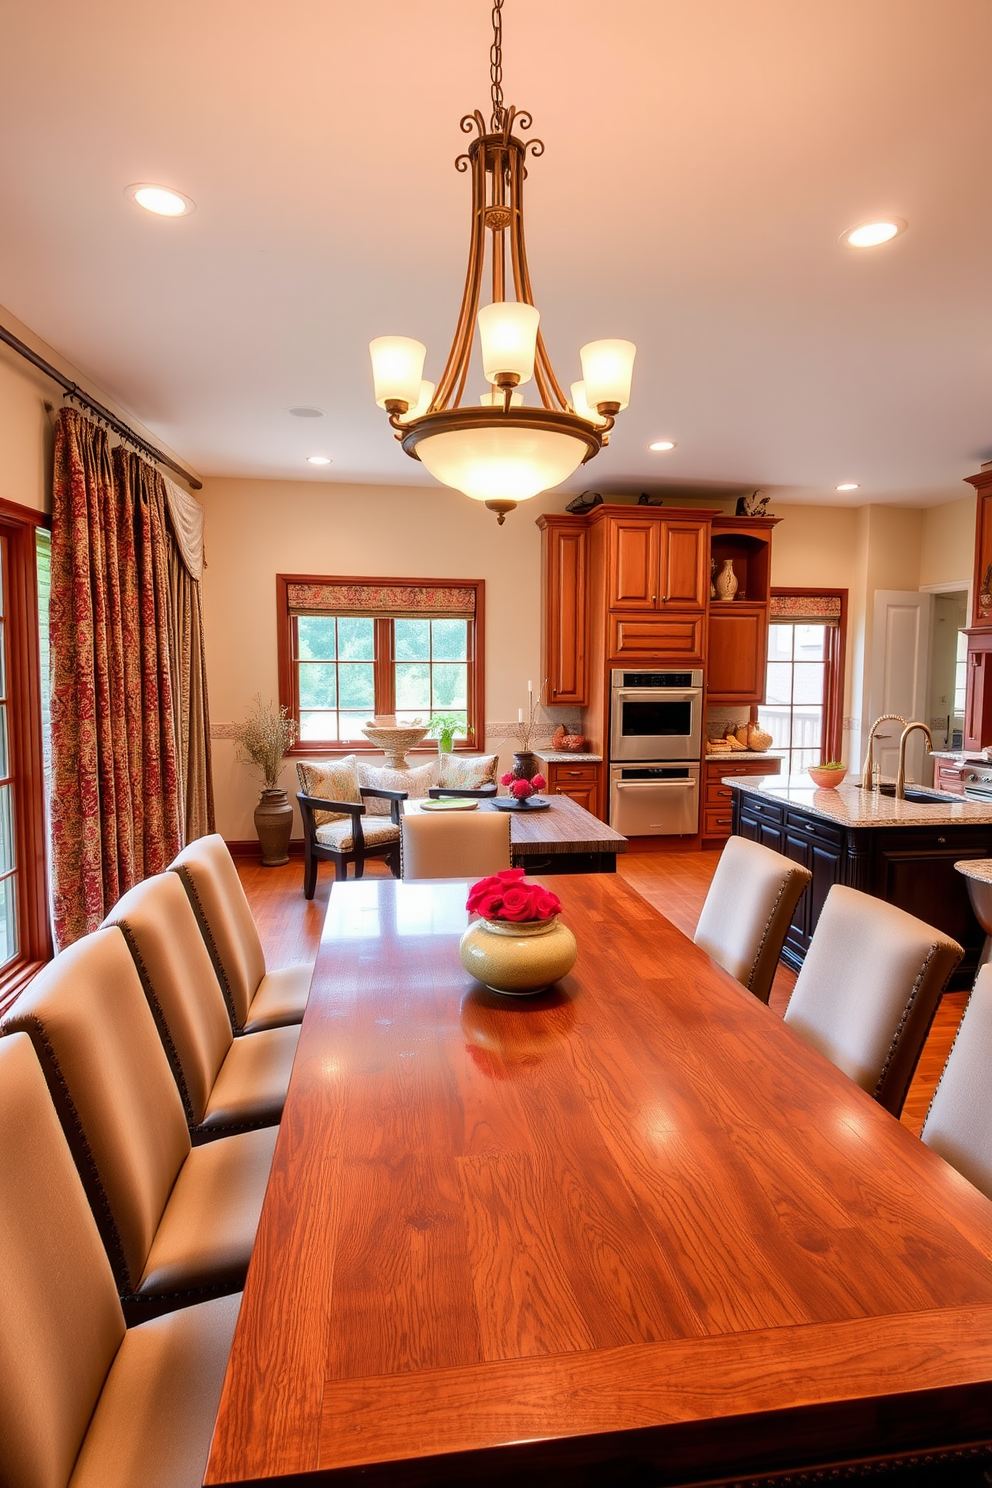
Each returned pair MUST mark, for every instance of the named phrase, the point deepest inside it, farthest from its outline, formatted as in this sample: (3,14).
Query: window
(25,936)
(804,677)
(352,649)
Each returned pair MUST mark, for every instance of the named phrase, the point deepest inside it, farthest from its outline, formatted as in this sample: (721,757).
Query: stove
(977,780)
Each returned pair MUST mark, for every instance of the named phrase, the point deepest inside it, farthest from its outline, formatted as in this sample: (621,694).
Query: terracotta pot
(517,958)
(274,825)
(826,779)
(525,765)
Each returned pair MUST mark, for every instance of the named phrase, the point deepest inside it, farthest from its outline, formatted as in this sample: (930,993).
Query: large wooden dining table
(631,1230)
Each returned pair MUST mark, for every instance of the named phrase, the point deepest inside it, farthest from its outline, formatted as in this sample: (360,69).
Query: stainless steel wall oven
(656,735)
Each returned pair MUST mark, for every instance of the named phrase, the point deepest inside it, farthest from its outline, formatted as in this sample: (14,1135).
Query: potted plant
(262,741)
(443,727)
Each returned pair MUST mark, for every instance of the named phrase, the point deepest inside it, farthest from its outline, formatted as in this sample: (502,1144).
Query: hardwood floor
(675,883)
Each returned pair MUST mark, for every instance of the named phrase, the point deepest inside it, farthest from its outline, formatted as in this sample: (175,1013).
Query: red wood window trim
(384,676)
(836,656)
(18,524)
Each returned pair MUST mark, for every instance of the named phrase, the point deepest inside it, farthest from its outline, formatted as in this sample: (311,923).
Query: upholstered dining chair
(455,845)
(226,1084)
(343,821)
(959,1121)
(178,1222)
(84,1397)
(868,990)
(748,910)
(256,998)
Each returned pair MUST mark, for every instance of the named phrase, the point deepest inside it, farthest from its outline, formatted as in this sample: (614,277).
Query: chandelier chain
(496,67)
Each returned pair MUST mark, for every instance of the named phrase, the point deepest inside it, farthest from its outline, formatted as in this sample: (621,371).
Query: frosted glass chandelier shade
(422,404)
(607,367)
(581,406)
(397,369)
(490,399)
(501,463)
(508,331)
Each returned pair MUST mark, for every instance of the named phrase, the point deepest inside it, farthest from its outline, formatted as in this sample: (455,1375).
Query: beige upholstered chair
(455,844)
(959,1121)
(255,998)
(84,1399)
(868,989)
(748,910)
(226,1084)
(176,1222)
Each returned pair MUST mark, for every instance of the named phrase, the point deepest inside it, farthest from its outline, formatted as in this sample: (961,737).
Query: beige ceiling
(702,158)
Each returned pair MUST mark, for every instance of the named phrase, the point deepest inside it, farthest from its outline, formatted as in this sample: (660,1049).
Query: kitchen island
(901,851)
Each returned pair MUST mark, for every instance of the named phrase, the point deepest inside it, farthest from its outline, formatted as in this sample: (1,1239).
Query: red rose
(521,789)
(506,779)
(490,906)
(538,782)
(546,904)
(485,887)
(518,903)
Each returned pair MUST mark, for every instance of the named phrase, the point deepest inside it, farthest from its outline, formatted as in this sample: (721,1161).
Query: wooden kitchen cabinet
(948,775)
(718,799)
(644,640)
(580,782)
(737,649)
(565,615)
(657,564)
(982,591)
(978,688)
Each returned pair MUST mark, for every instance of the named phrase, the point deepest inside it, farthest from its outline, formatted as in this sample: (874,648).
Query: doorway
(948,663)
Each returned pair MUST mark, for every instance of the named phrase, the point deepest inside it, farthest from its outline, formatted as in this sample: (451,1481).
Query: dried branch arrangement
(263,739)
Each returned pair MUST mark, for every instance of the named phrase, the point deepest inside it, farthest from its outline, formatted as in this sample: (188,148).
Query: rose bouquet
(505,896)
(522,789)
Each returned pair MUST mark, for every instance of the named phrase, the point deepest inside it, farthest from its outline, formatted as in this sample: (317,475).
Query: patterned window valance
(397,601)
(807,609)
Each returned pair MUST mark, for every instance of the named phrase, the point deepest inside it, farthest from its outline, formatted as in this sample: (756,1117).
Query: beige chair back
(455,844)
(748,911)
(959,1121)
(214,889)
(180,983)
(868,989)
(112,1087)
(61,1323)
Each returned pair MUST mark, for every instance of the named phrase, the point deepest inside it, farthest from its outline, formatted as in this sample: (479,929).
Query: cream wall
(256,529)
(949,542)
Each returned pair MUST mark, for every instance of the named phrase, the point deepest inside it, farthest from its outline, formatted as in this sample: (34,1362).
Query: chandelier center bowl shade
(501,450)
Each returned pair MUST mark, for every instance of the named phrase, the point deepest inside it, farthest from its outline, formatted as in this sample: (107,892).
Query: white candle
(520,715)
(530,687)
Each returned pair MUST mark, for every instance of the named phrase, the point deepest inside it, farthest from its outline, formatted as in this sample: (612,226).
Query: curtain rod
(103,413)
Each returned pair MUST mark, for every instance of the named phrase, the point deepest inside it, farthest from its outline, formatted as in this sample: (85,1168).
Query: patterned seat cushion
(416,783)
(468,774)
(335,780)
(339,834)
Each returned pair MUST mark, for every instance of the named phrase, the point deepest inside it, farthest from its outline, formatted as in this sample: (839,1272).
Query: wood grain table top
(566,827)
(633,1219)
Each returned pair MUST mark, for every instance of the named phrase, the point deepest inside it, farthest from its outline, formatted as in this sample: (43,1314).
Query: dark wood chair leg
(340,867)
(309,871)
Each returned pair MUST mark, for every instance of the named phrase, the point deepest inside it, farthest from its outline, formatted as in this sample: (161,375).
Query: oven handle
(658,694)
(635,785)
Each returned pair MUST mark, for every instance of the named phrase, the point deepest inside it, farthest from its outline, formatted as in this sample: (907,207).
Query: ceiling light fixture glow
(318,460)
(871,234)
(848,486)
(161,200)
(662,444)
(499,451)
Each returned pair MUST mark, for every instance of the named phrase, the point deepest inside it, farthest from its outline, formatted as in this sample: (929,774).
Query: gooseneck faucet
(866,781)
(901,777)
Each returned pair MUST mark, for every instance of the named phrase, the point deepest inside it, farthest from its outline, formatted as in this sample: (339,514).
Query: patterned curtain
(115,794)
(189,692)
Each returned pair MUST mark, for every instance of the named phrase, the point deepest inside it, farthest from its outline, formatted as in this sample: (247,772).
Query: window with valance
(352,649)
(804,680)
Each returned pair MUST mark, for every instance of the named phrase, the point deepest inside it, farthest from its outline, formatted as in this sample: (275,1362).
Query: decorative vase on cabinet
(726,581)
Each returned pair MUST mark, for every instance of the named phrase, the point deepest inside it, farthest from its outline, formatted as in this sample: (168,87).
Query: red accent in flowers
(506,896)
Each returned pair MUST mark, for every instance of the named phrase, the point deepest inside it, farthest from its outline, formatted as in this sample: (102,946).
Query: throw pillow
(416,783)
(337,780)
(469,774)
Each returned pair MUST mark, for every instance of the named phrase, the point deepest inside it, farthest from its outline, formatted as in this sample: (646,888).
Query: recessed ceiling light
(870,234)
(306,412)
(161,200)
(662,444)
(318,460)
(848,486)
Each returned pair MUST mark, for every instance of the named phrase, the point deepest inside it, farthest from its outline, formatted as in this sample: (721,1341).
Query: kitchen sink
(916,793)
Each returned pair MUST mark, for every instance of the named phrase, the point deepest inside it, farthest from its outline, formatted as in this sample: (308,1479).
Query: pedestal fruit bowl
(394,740)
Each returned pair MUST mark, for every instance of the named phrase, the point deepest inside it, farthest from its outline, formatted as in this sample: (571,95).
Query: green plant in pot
(262,741)
(443,727)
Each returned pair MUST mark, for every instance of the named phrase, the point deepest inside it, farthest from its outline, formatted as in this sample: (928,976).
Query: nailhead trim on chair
(163,1028)
(102,1211)
(902,1023)
(186,879)
(764,933)
(957,1035)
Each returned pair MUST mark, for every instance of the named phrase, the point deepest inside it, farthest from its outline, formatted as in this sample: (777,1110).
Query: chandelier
(500,450)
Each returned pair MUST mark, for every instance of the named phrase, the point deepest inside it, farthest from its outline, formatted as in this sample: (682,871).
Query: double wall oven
(656,738)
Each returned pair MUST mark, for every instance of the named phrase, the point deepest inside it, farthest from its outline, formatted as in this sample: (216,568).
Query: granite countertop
(849,806)
(960,756)
(980,868)
(732,754)
(567,757)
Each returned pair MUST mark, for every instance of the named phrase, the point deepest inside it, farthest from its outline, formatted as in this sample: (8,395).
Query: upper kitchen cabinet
(982,592)
(565,612)
(738,627)
(656,563)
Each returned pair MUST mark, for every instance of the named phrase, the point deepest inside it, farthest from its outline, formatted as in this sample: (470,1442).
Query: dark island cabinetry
(911,866)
